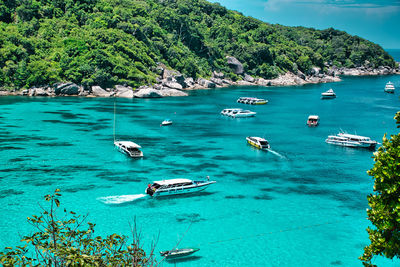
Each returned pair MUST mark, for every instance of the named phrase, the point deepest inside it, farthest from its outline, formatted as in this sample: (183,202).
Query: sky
(375,20)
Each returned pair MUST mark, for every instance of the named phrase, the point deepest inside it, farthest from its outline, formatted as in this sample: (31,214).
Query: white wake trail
(120,199)
(276,153)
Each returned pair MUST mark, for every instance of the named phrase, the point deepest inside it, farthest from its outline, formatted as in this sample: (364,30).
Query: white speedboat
(228,111)
(252,101)
(166,122)
(129,148)
(389,88)
(176,187)
(328,94)
(242,113)
(313,120)
(258,142)
(351,140)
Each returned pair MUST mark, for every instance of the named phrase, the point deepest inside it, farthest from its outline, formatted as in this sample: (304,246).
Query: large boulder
(235,64)
(41,92)
(172,92)
(206,83)
(315,71)
(66,89)
(173,85)
(218,75)
(249,78)
(147,92)
(98,91)
(217,81)
(123,91)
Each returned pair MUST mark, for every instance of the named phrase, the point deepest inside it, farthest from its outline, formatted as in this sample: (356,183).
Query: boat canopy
(353,136)
(173,181)
(313,117)
(128,144)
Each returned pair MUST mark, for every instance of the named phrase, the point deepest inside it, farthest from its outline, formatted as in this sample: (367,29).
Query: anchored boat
(176,187)
(389,88)
(166,122)
(178,253)
(328,94)
(129,148)
(313,120)
(351,140)
(258,142)
(252,100)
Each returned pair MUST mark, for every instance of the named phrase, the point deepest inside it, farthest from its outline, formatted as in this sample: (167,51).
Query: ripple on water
(9,192)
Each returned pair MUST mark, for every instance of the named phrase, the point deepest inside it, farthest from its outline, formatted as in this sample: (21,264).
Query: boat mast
(114,122)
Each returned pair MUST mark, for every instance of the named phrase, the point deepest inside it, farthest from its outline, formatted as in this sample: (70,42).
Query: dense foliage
(62,240)
(104,42)
(384,213)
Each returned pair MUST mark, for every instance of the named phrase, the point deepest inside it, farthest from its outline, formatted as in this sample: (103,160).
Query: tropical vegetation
(384,202)
(63,238)
(105,42)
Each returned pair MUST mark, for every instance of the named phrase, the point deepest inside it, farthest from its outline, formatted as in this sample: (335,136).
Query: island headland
(154,48)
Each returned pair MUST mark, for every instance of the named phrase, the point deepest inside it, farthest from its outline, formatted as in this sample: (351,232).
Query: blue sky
(374,20)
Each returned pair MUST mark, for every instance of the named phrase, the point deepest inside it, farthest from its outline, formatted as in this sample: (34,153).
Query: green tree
(62,240)
(384,212)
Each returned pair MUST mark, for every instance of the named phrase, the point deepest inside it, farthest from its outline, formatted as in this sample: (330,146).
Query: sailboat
(127,147)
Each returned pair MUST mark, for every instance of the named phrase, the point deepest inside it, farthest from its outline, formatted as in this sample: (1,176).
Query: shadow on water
(185,259)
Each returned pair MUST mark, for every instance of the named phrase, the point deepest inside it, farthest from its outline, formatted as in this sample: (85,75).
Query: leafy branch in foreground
(61,239)
(384,213)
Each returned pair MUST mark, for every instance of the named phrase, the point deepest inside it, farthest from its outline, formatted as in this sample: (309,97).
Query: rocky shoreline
(173,83)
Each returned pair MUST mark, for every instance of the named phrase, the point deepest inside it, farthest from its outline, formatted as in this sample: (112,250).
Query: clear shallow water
(306,208)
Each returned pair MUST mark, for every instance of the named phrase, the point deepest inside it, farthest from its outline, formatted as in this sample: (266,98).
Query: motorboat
(389,88)
(228,111)
(242,113)
(252,100)
(258,142)
(351,140)
(176,187)
(328,94)
(129,148)
(178,253)
(166,122)
(313,120)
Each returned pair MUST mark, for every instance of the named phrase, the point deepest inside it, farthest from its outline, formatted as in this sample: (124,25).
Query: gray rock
(249,78)
(181,80)
(148,92)
(123,91)
(98,91)
(206,83)
(66,89)
(315,71)
(226,81)
(235,65)
(217,81)
(172,92)
(189,82)
(173,85)
(25,92)
(41,92)
(218,75)
(170,73)
(301,75)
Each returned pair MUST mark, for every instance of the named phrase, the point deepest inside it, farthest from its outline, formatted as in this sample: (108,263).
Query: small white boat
(351,140)
(228,111)
(389,88)
(166,122)
(176,187)
(313,120)
(252,100)
(258,142)
(129,148)
(328,94)
(242,113)
(178,253)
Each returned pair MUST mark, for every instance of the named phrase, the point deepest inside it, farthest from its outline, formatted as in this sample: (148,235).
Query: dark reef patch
(189,218)
(55,144)
(9,192)
(336,263)
(235,197)
(264,197)
(193,155)
(78,188)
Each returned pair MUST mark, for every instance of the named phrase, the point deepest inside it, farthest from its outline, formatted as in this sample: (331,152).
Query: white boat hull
(182,190)
(351,144)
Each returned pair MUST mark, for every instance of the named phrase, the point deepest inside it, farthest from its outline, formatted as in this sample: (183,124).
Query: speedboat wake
(276,153)
(120,199)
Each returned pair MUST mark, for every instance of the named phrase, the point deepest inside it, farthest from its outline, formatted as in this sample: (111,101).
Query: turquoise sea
(301,205)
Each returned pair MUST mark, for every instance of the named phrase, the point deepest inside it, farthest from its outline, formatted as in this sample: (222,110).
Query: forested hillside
(108,42)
